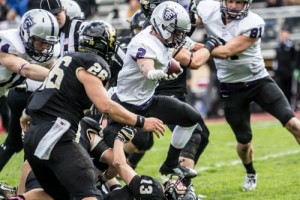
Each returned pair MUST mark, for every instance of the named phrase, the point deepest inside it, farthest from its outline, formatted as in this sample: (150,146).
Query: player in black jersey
(56,108)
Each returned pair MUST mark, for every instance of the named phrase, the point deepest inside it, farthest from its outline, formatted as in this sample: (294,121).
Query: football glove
(126,134)
(174,75)
(193,12)
(189,43)
(156,75)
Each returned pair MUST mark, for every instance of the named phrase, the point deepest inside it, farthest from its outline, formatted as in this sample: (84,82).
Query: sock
(249,168)
(134,159)
(172,157)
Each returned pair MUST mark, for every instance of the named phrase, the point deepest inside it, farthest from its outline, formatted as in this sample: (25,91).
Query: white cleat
(250,182)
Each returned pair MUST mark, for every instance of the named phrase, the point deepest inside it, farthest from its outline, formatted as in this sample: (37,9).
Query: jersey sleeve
(99,68)
(141,50)
(252,26)
(11,43)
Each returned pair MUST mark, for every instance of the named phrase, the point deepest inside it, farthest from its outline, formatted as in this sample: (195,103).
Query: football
(174,67)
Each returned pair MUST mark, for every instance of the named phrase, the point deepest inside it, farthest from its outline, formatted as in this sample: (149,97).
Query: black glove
(193,16)
(126,134)
(211,43)
(193,12)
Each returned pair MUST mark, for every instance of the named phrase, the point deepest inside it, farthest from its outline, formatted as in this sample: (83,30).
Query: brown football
(174,67)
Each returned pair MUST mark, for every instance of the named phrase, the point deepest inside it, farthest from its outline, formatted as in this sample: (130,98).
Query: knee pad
(244,138)
(191,148)
(143,140)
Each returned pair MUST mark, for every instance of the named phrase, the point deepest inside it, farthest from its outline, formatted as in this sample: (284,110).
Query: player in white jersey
(147,58)
(242,73)
(25,53)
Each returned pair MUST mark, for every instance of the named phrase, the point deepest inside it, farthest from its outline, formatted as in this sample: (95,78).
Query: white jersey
(247,65)
(132,86)
(10,42)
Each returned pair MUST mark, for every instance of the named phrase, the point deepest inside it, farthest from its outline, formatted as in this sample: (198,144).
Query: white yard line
(238,162)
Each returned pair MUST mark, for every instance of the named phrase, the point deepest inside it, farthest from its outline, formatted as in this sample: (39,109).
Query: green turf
(220,171)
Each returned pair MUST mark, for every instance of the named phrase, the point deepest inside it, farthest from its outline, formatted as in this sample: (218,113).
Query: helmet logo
(169,14)
(28,22)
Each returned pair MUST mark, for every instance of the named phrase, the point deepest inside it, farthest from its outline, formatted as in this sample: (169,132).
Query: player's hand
(126,134)
(189,43)
(212,42)
(193,12)
(24,121)
(154,125)
(173,75)
(156,75)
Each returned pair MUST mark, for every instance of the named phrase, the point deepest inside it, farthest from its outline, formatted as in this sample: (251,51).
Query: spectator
(284,64)
(19,6)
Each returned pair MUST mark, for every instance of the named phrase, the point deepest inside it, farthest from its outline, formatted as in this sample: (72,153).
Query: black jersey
(62,94)
(117,61)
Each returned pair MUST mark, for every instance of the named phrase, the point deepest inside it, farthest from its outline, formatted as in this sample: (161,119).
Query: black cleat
(179,170)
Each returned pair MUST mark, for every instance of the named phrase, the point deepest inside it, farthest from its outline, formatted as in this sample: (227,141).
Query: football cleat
(250,182)
(179,170)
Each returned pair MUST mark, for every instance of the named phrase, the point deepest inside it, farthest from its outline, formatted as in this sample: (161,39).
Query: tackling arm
(233,47)
(23,67)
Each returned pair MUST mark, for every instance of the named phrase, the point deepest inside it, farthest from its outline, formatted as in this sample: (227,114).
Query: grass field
(220,171)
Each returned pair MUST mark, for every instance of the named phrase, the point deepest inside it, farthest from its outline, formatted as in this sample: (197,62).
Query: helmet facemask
(44,55)
(178,187)
(233,13)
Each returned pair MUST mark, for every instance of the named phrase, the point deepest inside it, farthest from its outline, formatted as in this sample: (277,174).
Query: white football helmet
(72,8)
(41,25)
(235,14)
(171,19)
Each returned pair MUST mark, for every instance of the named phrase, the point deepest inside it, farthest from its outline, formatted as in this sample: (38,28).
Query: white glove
(156,75)
(174,75)
(189,43)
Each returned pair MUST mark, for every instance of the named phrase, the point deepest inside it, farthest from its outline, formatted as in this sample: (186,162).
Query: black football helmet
(99,37)
(235,14)
(179,188)
(137,20)
(147,6)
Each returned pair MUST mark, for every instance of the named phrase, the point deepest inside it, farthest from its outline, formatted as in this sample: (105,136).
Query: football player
(26,52)
(242,73)
(145,63)
(178,89)
(56,108)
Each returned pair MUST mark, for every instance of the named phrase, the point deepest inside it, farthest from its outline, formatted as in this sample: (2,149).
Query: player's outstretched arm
(98,95)
(23,67)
